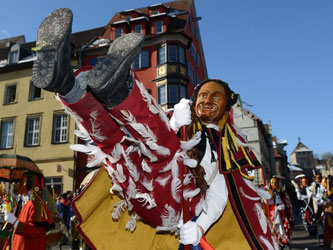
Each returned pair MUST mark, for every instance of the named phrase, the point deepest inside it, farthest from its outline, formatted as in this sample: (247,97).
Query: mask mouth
(210,107)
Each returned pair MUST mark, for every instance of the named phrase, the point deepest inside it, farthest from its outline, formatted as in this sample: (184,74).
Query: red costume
(145,160)
(33,221)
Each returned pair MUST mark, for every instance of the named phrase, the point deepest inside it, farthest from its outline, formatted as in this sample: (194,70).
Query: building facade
(303,156)
(170,64)
(32,121)
(259,139)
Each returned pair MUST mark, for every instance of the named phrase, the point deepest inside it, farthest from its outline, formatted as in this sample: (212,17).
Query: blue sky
(277,54)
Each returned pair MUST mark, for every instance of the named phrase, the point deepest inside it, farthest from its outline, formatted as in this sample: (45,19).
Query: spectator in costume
(143,156)
(280,212)
(34,218)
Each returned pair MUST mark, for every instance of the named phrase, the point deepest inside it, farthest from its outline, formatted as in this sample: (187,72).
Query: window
(13,57)
(7,133)
(119,32)
(162,94)
(142,60)
(173,93)
(197,59)
(138,28)
(35,93)
(192,50)
(128,18)
(181,55)
(60,128)
(32,134)
(182,92)
(155,12)
(158,27)
(54,184)
(172,53)
(10,94)
(161,56)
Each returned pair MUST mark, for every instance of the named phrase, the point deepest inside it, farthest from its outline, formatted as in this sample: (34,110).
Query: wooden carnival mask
(211,102)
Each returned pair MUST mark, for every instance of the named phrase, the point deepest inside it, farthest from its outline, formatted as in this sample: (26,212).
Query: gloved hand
(181,115)
(190,233)
(280,207)
(11,218)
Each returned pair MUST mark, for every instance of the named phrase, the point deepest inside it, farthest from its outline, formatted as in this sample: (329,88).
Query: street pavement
(302,240)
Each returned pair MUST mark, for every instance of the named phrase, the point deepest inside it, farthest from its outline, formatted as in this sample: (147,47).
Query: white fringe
(118,209)
(73,114)
(146,198)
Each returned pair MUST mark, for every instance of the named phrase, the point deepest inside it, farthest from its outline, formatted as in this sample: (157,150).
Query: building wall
(257,141)
(46,155)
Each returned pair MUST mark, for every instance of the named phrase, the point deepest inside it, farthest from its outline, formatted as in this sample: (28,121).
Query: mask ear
(233,98)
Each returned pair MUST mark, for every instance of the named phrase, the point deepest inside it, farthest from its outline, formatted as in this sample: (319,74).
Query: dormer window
(13,57)
(155,12)
(128,18)
(158,27)
(119,32)
(138,28)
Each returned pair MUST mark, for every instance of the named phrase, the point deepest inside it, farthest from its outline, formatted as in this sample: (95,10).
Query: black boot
(108,79)
(52,70)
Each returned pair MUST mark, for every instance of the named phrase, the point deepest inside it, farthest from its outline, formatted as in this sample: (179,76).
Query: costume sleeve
(216,198)
(25,226)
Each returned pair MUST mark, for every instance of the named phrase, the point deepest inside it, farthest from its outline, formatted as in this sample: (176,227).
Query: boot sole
(51,33)
(111,69)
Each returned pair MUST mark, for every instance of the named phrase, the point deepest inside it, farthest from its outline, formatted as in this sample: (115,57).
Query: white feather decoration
(131,224)
(187,178)
(145,167)
(176,184)
(266,242)
(276,245)
(247,196)
(188,194)
(121,178)
(130,166)
(146,198)
(163,181)
(145,132)
(190,163)
(148,184)
(188,145)
(170,219)
(118,209)
(154,107)
(115,187)
(261,217)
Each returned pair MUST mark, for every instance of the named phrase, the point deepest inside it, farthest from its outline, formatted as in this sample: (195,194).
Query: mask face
(274,183)
(211,102)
